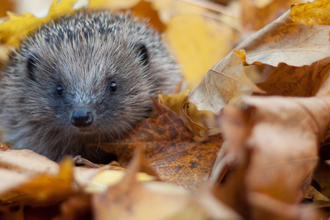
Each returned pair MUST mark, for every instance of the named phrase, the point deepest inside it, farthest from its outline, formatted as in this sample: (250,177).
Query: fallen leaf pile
(244,136)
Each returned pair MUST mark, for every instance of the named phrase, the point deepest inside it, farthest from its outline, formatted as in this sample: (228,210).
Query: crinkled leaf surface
(299,53)
(221,83)
(169,147)
(287,41)
(311,13)
(284,146)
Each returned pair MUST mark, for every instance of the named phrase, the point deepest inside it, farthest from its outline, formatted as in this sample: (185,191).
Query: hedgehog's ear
(31,66)
(142,53)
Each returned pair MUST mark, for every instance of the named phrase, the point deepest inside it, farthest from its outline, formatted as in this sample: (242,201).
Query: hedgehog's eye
(143,53)
(113,86)
(59,90)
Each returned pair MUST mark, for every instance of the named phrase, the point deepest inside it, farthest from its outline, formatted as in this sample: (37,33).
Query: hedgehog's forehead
(83,57)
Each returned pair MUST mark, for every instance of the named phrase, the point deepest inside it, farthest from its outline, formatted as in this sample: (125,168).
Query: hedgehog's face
(87,91)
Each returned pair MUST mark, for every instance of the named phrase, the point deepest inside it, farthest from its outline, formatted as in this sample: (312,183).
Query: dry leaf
(258,13)
(311,13)
(170,148)
(75,208)
(221,83)
(112,5)
(196,40)
(138,200)
(315,195)
(45,189)
(145,10)
(289,42)
(266,207)
(270,156)
(15,29)
(284,146)
(212,206)
(28,162)
(6,5)
(283,41)
(303,81)
(197,121)
(174,102)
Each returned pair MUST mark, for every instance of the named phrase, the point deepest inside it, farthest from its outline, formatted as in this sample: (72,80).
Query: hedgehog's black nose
(81,117)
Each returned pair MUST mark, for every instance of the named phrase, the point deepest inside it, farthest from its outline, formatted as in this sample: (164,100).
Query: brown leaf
(292,81)
(287,41)
(145,10)
(45,189)
(3,147)
(138,202)
(266,207)
(284,135)
(315,195)
(6,5)
(27,161)
(257,14)
(170,148)
(75,208)
(221,83)
(285,44)
(213,207)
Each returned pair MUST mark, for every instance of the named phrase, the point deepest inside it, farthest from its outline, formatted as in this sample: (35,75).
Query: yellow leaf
(112,4)
(196,41)
(174,102)
(17,27)
(111,177)
(317,12)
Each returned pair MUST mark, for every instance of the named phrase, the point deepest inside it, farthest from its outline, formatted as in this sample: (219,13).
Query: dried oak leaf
(283,134)
(169,147)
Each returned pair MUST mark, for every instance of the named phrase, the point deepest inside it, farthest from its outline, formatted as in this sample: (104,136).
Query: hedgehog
(84,77)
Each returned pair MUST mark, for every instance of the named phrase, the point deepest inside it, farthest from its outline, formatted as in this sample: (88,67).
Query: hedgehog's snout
(81,117)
